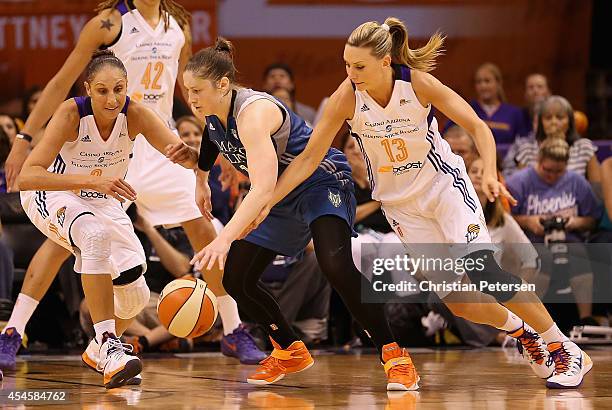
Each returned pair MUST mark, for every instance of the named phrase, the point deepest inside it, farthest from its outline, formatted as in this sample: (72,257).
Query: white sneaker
(91,357)
(571,364)
(532,347)
(118,367)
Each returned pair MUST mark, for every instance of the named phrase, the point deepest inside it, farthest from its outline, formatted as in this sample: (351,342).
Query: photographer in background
(557,206)
(548,189)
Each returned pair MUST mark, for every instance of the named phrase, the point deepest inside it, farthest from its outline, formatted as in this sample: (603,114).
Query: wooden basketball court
(450,379)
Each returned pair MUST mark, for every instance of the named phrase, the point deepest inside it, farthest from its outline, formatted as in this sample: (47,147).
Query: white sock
(22,312)
(554,334)
(104,326)
(513,322)
(228,310)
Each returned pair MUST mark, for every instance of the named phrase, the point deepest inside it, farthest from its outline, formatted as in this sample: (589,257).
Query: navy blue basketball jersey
(289,140)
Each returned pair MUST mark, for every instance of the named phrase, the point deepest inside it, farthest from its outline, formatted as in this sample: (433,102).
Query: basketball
(187,308)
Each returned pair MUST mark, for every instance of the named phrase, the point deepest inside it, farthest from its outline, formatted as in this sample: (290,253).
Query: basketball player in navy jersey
(72,190)
(153,40)
(424,189)
(260,137)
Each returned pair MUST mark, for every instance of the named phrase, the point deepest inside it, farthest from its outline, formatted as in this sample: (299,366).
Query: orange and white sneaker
(91,357)
(294,359)
(117,365)
(401,373)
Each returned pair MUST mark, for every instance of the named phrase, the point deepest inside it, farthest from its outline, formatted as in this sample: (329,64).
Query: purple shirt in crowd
(571,195)
(506,123)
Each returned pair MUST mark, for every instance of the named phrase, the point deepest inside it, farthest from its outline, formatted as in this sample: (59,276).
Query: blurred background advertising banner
(36,37)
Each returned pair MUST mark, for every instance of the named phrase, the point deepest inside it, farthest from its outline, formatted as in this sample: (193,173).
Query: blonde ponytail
(392,38)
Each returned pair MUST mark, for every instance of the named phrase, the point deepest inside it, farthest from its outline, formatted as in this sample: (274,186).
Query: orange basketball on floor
(187,308)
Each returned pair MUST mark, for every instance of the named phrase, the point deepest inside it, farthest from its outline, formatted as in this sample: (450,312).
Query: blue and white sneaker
(571,364)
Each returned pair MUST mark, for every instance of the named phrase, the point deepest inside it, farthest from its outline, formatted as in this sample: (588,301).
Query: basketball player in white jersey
(72,191)
(152,38)
(423,187)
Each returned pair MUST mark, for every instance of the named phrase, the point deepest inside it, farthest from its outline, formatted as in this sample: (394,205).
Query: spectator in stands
(505,120)
(607,190)
(517,253)
(302,292)
(190,131)
(461,144)
(280,76)
(370,222)
(168,253)
(556,120)
(549,190)
(5,148)
(7,272)
(30,99)
(9,126)
(536,91)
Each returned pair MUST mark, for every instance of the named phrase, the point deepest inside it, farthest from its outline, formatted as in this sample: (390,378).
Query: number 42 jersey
(151,57)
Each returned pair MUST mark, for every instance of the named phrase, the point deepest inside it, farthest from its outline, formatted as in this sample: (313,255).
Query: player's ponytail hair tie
(385,27)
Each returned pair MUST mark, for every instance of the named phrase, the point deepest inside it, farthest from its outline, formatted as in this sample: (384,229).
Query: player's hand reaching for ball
(183,154)
(115,187)
(493,189)
(214,252)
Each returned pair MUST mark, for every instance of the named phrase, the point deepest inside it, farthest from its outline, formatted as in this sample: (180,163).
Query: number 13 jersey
(151,57)
(401,145)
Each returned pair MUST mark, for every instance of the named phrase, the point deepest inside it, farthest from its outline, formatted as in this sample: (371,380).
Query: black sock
(144,342)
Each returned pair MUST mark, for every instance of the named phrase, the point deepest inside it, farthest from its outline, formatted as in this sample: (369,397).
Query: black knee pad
(128,276)
(500,284)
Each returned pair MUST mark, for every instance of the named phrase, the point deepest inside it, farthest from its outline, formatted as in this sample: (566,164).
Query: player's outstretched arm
(256,123)
(430,90)
(100,30)
(338,109)
(142,120)
(62,128)
(184,57)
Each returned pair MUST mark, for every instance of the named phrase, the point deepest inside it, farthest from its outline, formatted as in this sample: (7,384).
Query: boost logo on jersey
(92,195)
(153,97)
(401,169)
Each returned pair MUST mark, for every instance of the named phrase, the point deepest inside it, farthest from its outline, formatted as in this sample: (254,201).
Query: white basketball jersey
(402,147)
(151,57)
(89,154)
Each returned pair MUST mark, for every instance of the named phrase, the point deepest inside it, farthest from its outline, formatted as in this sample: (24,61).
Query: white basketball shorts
(165,192)
(53,213)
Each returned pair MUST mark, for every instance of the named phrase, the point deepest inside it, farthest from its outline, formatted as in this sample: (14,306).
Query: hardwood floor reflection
(450,379)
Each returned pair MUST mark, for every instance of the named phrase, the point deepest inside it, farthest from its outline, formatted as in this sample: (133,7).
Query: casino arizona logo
(472,232)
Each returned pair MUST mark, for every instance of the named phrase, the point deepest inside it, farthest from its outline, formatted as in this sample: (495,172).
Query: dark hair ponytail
(99,59)
(214,62)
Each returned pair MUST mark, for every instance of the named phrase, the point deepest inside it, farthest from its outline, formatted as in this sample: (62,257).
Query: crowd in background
(555,173)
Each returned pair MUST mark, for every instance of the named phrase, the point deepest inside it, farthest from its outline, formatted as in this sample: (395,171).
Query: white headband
(384,26)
